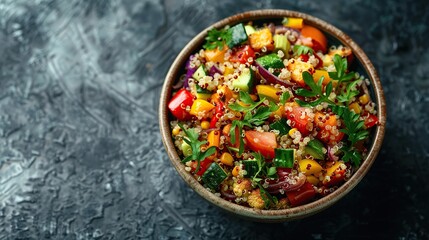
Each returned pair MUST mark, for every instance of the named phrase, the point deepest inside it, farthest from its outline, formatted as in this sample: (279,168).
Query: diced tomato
(177,105)
(370,121)
(336,178)
(321,122)
(263,142)
(302,195)
(243,54)
(300,120)
(203,166)
(218,113)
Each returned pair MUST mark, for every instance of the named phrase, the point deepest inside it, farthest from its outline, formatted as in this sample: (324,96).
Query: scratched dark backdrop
(81,155)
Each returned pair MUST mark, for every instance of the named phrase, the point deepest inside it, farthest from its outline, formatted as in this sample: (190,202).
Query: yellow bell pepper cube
(364,99)
(215,55)
(355,107)
(313,180)
(332,169)
(309,166)
(321,73)
(228,70)
(227,159)
(214,138)
(293,22)
(268,91)
(200,107)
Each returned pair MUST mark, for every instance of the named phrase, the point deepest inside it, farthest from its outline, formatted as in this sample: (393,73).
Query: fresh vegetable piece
(281,126)
(319,73)
(271,78)
(353,125)
(262,142)
(249,29)
(281,43)
(329,130)
(227,159)
(218,114)
(245,81)
(199,73)
(186,149)
(335,174)
(344,52)
(243,55)
(370,120)
(262,39)
(203,166)
(237,35)
(269,92)
(297,69)
(214,176)
(315,149)
(284,157)
(226,131)
(355,107)
(215,55)
(293,22)
(318,38)
(313,180)
(271,61)
(300,119)
(202,93)
(178,104)
(300,50)
(309,167)
(201,107)
(302,195)
(251,167)
(214,138)
(341,70)
(316,90)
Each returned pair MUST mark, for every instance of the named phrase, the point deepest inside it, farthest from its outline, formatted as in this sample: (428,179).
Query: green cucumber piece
(281,43)
(315,149)
(214,176)
(244,82)
(281,126)
(271,61)
(202,93)
(186,149)
(237,35)
(284,157)
(251,167)
(249,29)
(199,73)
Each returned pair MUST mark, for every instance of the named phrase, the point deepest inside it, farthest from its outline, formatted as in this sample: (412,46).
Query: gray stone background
(81,155)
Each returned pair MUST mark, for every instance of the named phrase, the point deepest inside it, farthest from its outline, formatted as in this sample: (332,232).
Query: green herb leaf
(266,196)
(316,90)
(341,68)
(301,49)
(216,39)
(284,97)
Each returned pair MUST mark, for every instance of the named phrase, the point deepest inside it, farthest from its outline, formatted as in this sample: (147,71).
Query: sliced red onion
(213,70)
(271,78)
(332,155)
(227,195)
(286,184)
(188,75)
(272,28)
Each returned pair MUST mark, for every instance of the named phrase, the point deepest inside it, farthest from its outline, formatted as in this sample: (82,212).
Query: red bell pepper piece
(177,105)
(219,110)
(203,166)
(302,195)
(242,54)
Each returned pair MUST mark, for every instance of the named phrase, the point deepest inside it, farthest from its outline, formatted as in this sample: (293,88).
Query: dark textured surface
(80,150)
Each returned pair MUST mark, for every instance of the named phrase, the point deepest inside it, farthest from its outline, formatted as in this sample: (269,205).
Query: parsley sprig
(216,39)
(349,93)
(341,69)
(255,115)
(192,140)
(316,90)
(301,49)
(264,169)
(354,130)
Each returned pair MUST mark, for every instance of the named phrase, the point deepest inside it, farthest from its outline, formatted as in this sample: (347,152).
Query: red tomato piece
(336,178)
(177,105)
(243,54)
(263,142)
(299,120)
(370,121)
(302,195)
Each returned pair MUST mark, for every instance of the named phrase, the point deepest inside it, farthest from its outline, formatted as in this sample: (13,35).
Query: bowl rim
(283,214)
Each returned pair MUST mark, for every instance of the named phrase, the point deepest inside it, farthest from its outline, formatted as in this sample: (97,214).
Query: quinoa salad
(270,116)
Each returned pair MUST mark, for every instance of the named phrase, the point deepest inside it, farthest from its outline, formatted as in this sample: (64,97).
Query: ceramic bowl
(334,36)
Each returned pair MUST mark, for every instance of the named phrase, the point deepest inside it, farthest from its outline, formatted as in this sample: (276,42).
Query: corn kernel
(227,159)
(176,131)
(355,107)
(364,99)
(235,171)
(292,131)
(205,125)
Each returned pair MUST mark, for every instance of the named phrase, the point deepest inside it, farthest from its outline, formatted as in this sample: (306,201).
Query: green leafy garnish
(266,196)
(354,129)
(349,93)
(192,140)
(255,115)
(284,97)
(301,49)
(341,68)
(216,39)
(316,90)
